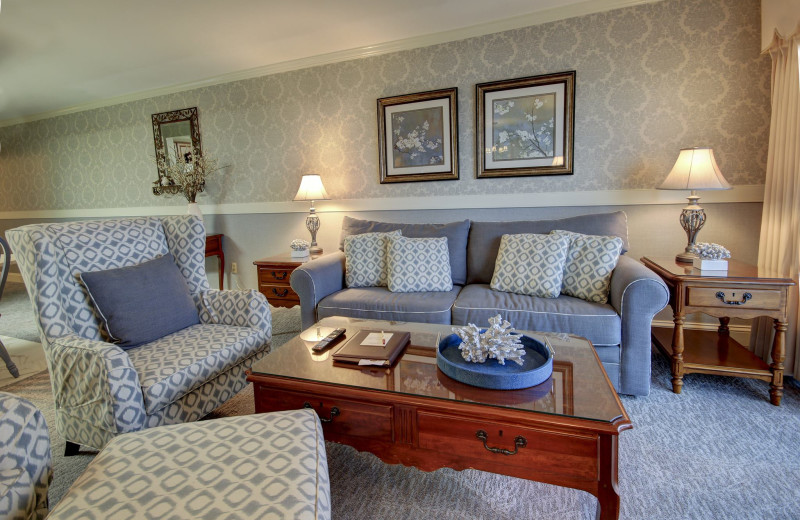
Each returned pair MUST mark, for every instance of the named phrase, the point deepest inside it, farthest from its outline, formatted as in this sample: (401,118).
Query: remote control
(328,340)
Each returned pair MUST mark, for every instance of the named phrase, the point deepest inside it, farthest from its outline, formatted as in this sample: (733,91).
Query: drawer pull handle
(746,296)
(519,442)
(280,294)
(334,412)
(279,275)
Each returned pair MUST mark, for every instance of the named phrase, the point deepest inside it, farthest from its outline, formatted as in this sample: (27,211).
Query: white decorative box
(707,264)
(300,254)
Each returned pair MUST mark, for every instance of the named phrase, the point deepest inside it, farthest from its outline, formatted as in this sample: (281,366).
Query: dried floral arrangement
(710,251)
(191,175)
(498,342)
(298,244)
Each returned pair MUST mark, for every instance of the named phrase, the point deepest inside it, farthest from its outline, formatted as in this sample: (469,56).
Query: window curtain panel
(779,244)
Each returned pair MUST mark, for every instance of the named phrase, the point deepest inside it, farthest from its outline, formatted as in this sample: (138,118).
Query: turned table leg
(778,355)
(677,354)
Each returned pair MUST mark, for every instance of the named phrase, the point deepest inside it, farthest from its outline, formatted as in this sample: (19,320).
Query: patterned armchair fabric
(25,464)
(101,390)
(270,465)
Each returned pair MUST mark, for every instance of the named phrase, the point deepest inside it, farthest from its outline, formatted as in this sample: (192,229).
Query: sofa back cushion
(484,237)
(456,233)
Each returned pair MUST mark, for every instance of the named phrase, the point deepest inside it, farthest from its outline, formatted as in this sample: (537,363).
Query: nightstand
(214,248)
(273,279)
(743,291)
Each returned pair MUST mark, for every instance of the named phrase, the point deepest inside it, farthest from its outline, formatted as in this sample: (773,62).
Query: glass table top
(578,387)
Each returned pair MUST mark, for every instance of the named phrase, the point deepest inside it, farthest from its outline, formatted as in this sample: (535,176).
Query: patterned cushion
(269,465)
(365,259)
(174,365)
(25,464)
(141,303)
(590,261)
(530,264)
(419,264)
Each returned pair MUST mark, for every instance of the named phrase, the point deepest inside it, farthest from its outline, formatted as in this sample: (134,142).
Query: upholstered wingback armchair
(101,390)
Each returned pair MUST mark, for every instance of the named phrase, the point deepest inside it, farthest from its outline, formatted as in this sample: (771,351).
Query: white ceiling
(58,55)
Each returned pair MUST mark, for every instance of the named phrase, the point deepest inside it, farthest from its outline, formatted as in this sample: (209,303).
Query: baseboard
(739,332)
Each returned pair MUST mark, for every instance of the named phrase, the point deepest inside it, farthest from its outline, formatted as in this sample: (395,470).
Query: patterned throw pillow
(365,259)
(419,264)
(590,261)
(530,264)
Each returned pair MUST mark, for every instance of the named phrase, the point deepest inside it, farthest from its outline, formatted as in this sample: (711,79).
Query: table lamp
(311,188)
(696,169)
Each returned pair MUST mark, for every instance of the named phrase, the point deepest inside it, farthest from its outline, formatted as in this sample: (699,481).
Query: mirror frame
(164,184)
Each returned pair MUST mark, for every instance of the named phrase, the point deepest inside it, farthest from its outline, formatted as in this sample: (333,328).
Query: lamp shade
(695,169)
(311,188)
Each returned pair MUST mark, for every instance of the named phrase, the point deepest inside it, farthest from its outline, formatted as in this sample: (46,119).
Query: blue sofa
(619,329)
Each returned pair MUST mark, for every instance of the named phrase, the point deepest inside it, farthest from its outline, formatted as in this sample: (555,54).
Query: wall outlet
(234,268)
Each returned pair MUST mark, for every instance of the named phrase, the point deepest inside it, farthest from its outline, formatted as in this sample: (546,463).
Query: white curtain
(779,244)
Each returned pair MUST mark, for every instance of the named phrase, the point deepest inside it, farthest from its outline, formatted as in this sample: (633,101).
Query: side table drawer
(733,297)
(278,275)
(559,453)
(354,418)
(278,292)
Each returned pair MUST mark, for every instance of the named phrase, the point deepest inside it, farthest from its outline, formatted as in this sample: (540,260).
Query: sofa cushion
(597,322)
(418,264)
(590,261)
(174,365)
(457,234)
(143,302)
(484,237)
(365,259)
(380,304)
(531,264)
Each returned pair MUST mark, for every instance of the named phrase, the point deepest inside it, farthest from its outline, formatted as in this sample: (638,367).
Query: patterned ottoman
(266,466)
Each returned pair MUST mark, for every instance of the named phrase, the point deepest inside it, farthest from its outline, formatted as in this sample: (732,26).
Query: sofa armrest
(94,383)
(637,294)
(246,308)
(315,280)
(26,468)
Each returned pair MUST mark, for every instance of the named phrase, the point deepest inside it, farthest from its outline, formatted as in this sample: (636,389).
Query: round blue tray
(537,366)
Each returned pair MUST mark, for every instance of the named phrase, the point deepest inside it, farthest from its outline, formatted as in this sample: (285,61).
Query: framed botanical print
(525,126)
(418,136)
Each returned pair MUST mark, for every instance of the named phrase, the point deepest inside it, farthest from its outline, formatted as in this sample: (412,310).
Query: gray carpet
(717,451)
(17,318)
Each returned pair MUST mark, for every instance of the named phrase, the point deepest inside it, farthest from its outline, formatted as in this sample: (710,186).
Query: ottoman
(267,466)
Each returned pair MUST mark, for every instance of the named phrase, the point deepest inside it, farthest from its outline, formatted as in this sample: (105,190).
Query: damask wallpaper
(650,79)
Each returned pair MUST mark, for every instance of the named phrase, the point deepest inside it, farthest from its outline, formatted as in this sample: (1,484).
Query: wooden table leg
(221,269)
(677,354)
(723,327)
(778,355)
(608,501)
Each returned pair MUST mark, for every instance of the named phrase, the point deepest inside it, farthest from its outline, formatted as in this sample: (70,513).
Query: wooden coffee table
(563,432)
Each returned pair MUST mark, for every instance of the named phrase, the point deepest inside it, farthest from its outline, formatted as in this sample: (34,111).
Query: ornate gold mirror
(177,137)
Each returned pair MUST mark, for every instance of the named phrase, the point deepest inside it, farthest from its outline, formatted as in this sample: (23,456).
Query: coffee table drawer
(560,453)
(339,416)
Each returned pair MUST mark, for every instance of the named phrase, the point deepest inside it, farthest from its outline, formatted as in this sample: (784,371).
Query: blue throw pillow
(142,303)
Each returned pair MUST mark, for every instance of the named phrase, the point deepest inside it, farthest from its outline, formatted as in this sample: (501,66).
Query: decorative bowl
(536,368)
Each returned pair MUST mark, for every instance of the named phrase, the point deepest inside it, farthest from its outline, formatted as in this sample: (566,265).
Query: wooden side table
(214,248)
(743,291)
(273,279)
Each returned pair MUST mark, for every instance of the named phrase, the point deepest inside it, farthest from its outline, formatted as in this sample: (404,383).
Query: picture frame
(525,126)
(418,136)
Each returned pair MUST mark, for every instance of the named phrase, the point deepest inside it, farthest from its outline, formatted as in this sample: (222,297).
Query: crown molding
(748,193)
(536,18)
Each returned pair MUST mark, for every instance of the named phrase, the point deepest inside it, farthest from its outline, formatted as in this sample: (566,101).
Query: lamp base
(316,250)
(685,258)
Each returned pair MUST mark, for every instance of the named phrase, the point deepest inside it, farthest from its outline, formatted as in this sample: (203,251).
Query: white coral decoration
(298,244)
(498,342)
(710,250)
